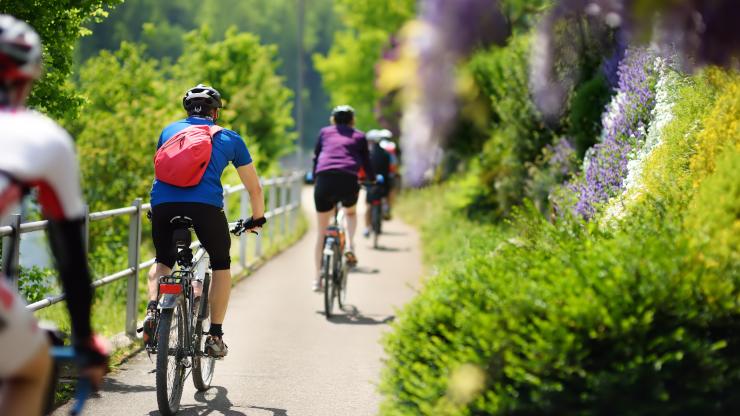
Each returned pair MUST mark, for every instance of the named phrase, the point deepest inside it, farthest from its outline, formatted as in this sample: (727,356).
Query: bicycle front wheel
(170,359)
(203,365)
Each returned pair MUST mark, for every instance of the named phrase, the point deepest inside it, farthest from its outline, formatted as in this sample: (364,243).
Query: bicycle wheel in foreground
(170,359)
(203,366)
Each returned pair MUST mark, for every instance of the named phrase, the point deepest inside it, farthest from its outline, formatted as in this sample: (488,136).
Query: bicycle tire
(169,392)
(328,281)
(376,221)
(203,366)
(342,291)
(337,273)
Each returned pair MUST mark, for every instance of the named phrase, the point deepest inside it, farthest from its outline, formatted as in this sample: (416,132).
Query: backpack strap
(215,129)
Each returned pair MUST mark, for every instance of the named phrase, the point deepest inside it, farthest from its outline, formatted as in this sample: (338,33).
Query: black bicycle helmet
(201,99)
(343,114)
(20,50)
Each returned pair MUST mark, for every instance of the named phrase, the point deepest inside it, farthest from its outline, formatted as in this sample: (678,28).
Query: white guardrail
(283,198)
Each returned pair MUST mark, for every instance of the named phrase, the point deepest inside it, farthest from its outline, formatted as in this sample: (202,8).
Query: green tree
(120,123)
(257,103)
(60,24)
(348,70)
(160,25)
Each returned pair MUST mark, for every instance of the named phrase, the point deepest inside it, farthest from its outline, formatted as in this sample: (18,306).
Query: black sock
(152,304)
(216,330)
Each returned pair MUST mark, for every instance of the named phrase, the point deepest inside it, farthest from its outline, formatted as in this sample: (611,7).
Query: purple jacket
(343,149)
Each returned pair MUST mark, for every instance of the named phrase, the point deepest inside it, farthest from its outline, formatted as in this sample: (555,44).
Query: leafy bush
(584,116)
(640,317)
(566,319)
(518,134)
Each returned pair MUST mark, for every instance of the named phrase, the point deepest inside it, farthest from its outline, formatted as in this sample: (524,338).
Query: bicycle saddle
(181,235)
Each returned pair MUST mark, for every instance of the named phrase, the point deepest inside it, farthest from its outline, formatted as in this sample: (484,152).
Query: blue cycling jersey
(228,146)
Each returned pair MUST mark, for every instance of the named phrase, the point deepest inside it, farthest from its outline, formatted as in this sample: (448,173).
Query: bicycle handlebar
(248,225)
(84,384)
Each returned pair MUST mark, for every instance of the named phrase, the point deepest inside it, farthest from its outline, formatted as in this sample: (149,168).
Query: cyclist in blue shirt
(204,204)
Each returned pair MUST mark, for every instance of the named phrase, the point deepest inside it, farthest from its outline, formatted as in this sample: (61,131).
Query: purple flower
(453,29)
(623,131)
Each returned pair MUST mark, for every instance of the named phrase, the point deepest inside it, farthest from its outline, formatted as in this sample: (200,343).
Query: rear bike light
(170,289)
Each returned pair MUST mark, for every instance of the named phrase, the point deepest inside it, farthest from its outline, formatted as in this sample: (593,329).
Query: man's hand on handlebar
(252,225)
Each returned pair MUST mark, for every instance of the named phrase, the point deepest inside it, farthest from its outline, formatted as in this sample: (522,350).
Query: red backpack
(183,158)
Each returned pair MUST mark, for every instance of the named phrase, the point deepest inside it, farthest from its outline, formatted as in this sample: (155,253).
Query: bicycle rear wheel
(328,281)
(376,220)
(170,355)
(203,365)
(342,283)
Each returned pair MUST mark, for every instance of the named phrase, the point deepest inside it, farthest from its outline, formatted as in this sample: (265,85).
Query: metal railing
(283,197)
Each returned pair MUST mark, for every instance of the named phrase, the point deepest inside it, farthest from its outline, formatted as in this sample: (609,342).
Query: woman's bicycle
(183,318)
(334,268)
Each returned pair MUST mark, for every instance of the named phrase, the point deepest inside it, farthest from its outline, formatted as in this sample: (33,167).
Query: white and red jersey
(34,152)
(37,152)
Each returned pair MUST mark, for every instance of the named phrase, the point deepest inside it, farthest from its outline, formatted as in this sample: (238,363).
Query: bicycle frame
(178,287)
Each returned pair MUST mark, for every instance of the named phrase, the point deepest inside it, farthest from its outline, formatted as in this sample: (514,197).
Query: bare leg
(322,221)
(157,270)
(350,213)
(368,215)
(219,296)
(24,393)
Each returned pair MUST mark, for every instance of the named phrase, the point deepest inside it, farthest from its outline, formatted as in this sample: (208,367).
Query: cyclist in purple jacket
(340,152)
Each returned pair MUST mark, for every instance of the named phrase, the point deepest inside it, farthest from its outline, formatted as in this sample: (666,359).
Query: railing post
(243,202)
(284,204)
(134,254)
(12,251)
(291,197)
(258,240)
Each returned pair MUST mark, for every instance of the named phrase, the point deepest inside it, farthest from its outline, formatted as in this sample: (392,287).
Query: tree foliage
(257,104)
(160,25)
(348,70)
(60,24)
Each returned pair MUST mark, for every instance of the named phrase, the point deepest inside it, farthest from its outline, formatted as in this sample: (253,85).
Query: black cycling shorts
(210,225)
(332,187)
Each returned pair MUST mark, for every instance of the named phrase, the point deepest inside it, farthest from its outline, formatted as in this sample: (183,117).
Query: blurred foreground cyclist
(340,152)
(37,153)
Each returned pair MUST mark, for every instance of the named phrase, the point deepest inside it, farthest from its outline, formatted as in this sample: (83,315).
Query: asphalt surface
(285,358)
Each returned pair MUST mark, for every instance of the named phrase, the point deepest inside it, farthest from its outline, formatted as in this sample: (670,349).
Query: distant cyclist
(37,153)
(380,160)
(202,202)
(394,176)
(340,152)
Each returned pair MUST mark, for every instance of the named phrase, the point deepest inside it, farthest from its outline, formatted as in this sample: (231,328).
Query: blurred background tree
(160,26)
(60,24)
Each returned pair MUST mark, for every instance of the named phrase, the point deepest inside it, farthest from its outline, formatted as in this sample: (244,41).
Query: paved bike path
(285,358)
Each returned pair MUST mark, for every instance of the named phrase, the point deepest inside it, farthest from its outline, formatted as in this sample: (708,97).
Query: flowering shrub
(624,129)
